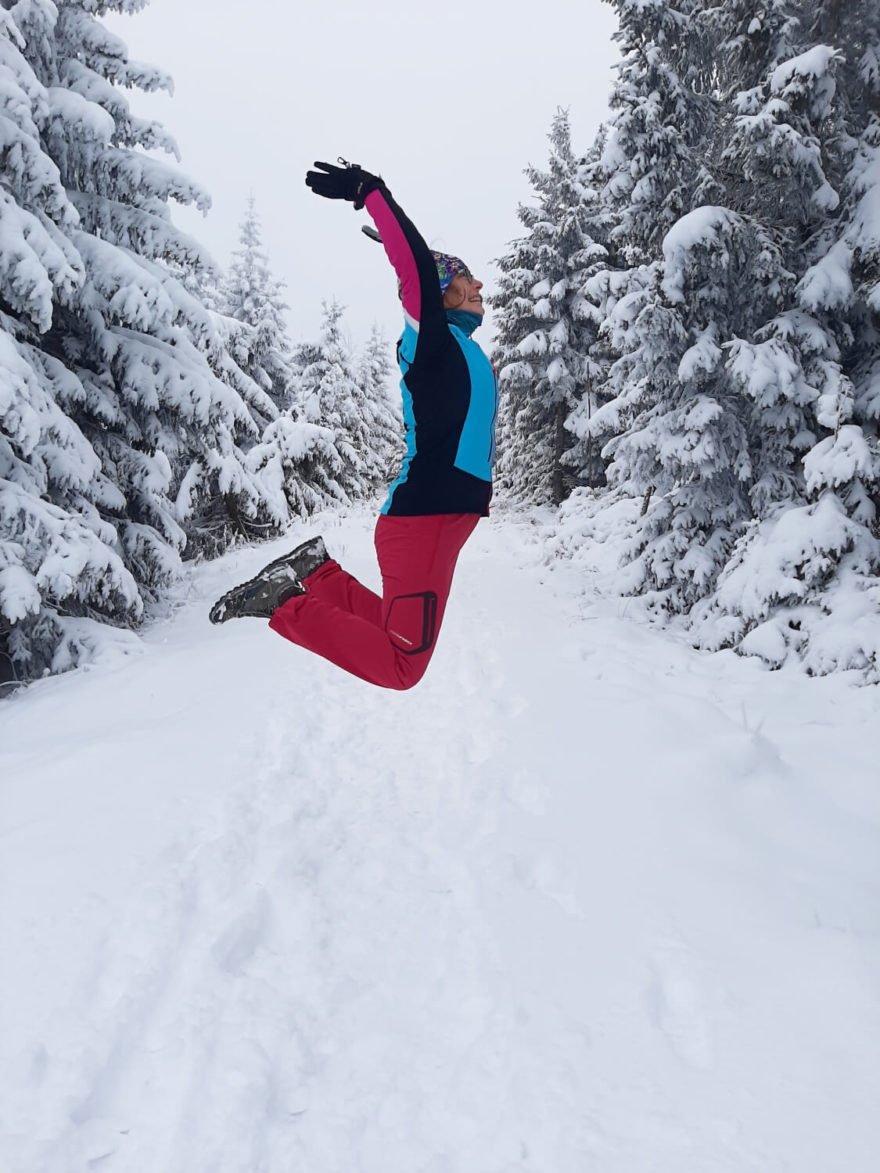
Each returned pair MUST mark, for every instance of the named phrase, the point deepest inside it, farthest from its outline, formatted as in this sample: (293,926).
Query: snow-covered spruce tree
(254,300)
(647,167)
(654,145)
(732,347)
(600,273)
(841,290)
(382,413)
(296,458)
(318,452)
(850,269)
(203,282)
(329,394)
(541,343)
(803,577)
(298,464)
(126,405)
(686,448)
(670,437)
(60,566)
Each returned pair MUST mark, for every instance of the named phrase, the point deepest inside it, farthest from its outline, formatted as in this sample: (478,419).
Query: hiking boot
(307,557)
(281,580)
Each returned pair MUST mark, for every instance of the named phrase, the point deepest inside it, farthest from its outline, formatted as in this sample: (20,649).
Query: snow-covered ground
(583,900)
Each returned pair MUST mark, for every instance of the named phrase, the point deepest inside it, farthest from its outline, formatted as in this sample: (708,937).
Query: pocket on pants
(412,622)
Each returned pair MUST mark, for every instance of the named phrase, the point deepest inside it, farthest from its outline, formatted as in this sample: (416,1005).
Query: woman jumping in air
(450,403)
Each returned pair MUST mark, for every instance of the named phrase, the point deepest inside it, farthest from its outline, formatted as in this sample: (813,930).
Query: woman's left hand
(349,182)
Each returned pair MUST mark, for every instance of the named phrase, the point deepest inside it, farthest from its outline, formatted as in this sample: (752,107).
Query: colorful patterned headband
(448,268)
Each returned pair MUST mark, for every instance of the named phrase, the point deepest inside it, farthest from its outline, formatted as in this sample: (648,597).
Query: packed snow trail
(582,900)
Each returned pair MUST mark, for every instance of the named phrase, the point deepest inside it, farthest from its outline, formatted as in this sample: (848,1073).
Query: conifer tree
(600,273)
(848,272)
(253,299)
(304,459)
(814,472)
(319,451)
(329,395)
(735,405)
(298,465)
(654,143)
(647,167)
(381,414)
(687,449)
(664,320)
(126,408)
(541,347)
(760,397)
(60,563)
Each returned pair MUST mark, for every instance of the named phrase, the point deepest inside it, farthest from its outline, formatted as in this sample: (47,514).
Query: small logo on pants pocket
(416,615)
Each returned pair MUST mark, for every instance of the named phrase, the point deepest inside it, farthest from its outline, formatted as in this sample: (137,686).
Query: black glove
(349,182)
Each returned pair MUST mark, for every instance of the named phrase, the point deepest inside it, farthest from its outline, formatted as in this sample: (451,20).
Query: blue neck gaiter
(464,319)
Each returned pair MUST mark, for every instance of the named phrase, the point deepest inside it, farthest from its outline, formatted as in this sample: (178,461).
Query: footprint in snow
(239,943)
(676,1006)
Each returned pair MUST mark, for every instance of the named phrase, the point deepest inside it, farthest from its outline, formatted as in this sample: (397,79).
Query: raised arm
(414,265)
(406,250)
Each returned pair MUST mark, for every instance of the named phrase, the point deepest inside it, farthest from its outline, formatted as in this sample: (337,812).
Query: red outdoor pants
(389,640)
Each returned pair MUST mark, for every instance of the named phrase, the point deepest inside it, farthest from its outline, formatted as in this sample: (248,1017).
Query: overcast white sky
(449,102)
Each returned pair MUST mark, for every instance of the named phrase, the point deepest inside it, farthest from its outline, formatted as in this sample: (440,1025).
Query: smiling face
(464,294)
